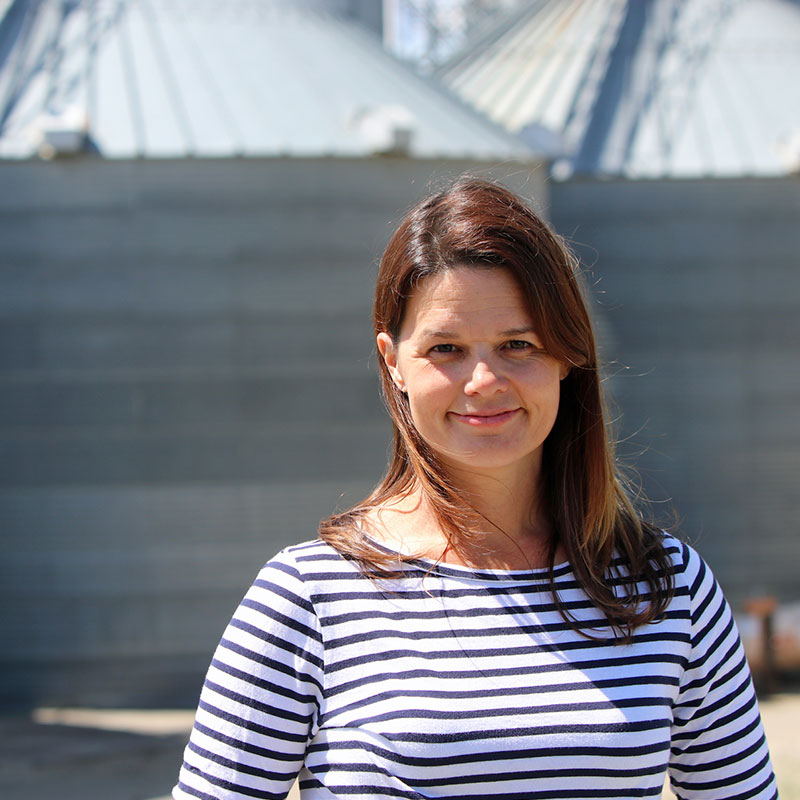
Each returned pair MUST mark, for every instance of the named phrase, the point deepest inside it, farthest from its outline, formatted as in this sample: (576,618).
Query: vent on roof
(61,134)
(788,148)
(384,130)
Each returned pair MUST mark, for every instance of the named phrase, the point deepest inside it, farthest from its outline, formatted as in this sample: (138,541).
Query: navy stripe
(710,744)
(245,769)
(483,713)
(734,716)
(264,708)
(286,594)
(286,621)
(511,652)
(278,641)
(267,686)
(568,794)
(245,724)
(471,633)
(726,762)
(522,670)
(241,788)
(267,753)
(192,792)
(569,729)
(474,613)
(491,777)
(259,658)
(727,781)
(517,691)
(570,752)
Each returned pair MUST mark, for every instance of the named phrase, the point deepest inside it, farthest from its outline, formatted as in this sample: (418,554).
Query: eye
(443,348)
(518,344)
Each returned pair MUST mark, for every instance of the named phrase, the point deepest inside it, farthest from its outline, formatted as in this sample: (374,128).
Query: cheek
(426,380)
(544,390)
(554,398)
(425,396)
(430,396)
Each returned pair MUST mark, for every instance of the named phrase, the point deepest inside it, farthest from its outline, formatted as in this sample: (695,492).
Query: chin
(488,460)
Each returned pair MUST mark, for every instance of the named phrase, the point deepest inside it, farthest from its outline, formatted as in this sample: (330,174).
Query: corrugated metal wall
(699,291)
(186,385)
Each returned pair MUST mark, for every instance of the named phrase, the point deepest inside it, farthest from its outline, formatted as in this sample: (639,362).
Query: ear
(563,370)
(389,354)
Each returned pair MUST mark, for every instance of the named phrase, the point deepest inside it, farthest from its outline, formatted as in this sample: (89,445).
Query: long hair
(618,558)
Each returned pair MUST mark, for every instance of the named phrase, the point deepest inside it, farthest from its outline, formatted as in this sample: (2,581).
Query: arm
(718,745)
(261,697)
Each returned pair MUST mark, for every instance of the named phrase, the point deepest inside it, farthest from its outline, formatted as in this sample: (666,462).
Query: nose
(485,379)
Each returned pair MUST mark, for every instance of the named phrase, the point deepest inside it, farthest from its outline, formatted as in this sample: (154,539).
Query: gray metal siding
(698,290)
(186,385)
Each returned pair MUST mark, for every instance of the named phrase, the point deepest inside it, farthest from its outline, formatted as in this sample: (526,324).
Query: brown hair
(481,224)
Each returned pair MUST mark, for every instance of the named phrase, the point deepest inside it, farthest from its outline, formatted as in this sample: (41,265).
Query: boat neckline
(434,566)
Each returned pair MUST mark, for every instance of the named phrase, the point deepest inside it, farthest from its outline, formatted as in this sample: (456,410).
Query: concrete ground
(82,754)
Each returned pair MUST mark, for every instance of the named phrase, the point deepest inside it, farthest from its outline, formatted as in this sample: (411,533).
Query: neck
(510,501)
(508,530)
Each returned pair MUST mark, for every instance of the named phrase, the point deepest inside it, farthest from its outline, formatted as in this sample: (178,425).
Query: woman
(495,619)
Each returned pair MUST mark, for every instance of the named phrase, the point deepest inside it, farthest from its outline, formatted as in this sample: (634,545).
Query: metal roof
(645,88)
(216,78)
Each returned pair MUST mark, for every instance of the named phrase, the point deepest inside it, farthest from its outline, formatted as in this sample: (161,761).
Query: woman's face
(482,391)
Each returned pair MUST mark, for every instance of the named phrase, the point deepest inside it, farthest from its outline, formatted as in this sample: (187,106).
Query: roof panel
(205,105)
(116,124)
(161,100)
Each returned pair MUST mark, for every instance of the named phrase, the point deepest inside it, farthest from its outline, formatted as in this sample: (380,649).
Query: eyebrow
(440,334)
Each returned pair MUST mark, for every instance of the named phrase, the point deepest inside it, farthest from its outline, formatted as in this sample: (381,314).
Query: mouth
(487,419)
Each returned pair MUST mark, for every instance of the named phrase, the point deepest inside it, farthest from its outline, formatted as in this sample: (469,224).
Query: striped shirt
(451,682)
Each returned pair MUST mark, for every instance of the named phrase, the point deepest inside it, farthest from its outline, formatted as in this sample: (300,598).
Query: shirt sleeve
(261,697)
(718,745)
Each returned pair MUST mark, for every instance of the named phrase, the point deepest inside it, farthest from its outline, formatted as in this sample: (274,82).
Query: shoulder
(677,551)
(298,571)
(699,597)
(282,586)
(692,574)
(308,560)
(275,624)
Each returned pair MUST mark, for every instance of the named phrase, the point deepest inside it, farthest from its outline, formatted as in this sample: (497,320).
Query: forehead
(464,296)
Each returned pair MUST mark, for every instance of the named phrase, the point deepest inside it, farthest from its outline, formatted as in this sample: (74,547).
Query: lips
(486,419)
